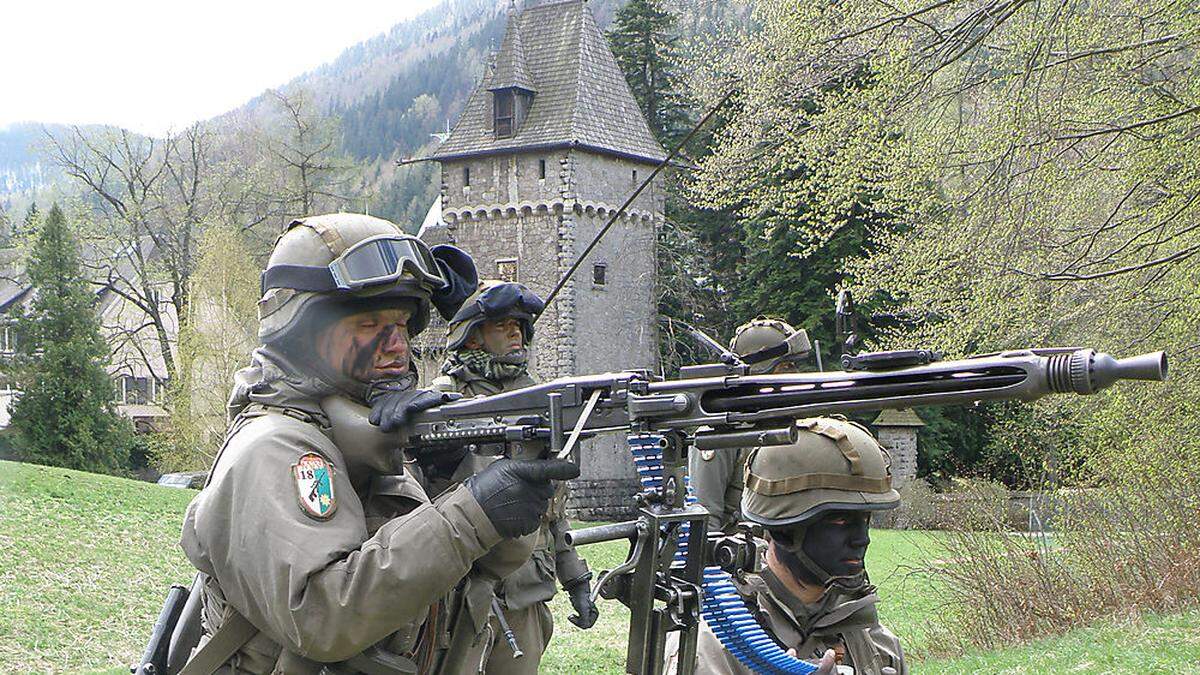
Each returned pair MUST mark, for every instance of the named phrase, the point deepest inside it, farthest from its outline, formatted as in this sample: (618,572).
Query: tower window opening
(505,105)
(506,269)
(600,274)
(542,169)
(467,176)
(635,175)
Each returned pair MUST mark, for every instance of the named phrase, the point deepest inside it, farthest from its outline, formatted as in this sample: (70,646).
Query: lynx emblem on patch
(707,455)
(314,485)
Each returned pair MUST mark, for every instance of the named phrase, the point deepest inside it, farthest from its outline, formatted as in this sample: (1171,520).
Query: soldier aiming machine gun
(671,575)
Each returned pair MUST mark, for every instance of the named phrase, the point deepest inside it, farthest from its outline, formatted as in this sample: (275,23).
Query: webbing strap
(331,237)
(811,481)
(235,631)
(839,437)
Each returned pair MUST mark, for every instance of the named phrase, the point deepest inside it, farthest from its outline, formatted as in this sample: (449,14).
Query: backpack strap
(234,632)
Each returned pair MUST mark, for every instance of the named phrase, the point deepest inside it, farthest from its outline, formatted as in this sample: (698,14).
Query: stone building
(548,147)
(897,432)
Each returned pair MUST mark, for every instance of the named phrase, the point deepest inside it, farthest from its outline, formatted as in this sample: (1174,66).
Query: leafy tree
(221,330)
(1042,181)
(65,414)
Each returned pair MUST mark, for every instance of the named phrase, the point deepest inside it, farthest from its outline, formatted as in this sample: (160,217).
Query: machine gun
(721,406)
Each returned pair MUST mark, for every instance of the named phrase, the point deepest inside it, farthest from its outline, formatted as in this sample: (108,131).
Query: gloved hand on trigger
(391,410)
(515,493)
(586,612)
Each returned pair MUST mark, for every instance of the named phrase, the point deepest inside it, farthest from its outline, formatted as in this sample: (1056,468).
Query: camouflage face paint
(359,360)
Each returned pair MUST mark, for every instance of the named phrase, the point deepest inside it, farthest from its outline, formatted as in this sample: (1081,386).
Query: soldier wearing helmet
(766,346)
(315,543)
(487,352)
(814,500)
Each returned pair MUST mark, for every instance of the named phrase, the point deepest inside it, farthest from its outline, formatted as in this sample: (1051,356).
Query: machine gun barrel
(721,406)
(1017,375)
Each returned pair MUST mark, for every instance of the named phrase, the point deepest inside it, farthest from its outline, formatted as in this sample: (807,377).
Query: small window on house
(136,389)
(635,175)
(6,340)
(504,108)
(466,176)
(600,274)
(506,269)
(542,169)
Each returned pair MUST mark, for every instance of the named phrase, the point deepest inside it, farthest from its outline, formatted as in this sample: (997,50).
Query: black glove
(459,269)
(390,410)
(515,493)
(581,599)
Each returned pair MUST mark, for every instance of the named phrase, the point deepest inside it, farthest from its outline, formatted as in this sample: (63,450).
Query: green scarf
(487,365)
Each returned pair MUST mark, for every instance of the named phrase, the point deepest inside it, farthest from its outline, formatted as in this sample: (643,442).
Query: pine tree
(643,40)
(65,414)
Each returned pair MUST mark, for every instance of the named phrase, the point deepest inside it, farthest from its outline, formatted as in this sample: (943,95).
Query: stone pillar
(897,433)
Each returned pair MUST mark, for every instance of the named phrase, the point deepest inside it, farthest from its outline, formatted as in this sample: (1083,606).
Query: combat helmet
(494,300)
(834,465)
(343,259)
(764,343)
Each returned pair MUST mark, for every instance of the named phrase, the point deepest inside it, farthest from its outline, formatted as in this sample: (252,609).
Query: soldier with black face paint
(814,499)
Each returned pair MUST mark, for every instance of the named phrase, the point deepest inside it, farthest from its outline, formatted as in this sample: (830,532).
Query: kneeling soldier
(814,499)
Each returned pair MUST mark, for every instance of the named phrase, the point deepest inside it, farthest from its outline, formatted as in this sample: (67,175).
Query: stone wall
(901,444)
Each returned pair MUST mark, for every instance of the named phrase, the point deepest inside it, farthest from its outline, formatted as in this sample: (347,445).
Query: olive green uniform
(525,593)
(849,626)
(716,481)
(316,589)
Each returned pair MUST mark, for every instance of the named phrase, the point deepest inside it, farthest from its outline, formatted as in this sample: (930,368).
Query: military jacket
(533,582)
(848,625)
(716,478)
(364,564)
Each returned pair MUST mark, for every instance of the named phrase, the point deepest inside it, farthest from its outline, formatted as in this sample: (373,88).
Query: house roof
(581,98)
(905,417)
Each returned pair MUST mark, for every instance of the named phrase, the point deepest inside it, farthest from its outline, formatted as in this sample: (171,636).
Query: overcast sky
(157,65)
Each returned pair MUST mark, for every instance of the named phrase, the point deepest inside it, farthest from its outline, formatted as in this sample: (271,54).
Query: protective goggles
(501,301)
(375,261)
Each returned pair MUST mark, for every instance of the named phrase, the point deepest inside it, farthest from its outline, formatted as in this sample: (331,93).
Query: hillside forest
(983,176)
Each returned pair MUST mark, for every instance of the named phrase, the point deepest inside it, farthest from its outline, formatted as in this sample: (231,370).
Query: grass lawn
(1150,644)
(891,558)
(85,561)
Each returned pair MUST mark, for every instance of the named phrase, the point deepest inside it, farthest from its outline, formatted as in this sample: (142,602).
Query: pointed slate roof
(511,70)
(581,100)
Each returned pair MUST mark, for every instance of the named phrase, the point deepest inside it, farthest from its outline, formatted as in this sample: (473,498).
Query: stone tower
(897,432)
(548,147)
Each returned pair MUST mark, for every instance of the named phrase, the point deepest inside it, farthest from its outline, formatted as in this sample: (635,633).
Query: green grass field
(85,561)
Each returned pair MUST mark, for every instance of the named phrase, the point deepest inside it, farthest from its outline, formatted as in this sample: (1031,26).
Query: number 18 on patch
(314,485)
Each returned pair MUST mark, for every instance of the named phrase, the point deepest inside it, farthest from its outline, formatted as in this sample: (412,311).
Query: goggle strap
(299,277)
(761,355)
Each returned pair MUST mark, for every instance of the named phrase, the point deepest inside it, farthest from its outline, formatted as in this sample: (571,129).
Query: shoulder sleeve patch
(707,455)
(314,486)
